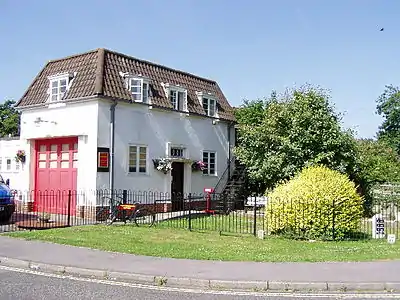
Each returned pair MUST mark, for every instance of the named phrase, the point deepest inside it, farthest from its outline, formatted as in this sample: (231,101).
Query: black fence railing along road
(208,212)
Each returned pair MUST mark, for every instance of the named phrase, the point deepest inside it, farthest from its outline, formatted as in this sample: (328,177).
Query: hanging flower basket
(198,165)
(162,164)
(20,156)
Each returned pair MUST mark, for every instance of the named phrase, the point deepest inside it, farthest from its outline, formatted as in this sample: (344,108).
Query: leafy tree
(388,106)
(297,129)
(9,119)
(379,163)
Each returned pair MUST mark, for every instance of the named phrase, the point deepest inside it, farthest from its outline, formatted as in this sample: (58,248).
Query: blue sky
(250,47)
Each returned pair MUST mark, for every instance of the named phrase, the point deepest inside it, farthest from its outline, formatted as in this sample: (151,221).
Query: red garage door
(56,172)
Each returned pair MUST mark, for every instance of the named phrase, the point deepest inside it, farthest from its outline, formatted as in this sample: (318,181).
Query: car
(7,204)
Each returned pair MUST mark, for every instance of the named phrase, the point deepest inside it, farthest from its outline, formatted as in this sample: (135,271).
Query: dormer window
(177,96)
(139,89)
(209,103)
(59,85)
(178,99)
(139,86)
(209,106)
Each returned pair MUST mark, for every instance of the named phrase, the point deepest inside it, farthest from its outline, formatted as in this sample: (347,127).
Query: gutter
(112,145)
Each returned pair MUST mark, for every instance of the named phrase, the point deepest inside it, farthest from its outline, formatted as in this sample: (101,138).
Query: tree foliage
(378,162)
(388,106)
(281,135)
(9,119)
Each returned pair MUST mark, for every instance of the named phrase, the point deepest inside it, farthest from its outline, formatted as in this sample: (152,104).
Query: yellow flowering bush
(318,203)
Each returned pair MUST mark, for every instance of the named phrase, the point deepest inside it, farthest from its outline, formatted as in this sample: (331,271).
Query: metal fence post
(190,212)
(255,216)
(69,208)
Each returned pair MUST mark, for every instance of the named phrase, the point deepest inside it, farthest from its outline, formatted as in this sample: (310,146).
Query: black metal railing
(335,220)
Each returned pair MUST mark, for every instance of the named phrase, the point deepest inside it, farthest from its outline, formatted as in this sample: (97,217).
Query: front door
(177,196)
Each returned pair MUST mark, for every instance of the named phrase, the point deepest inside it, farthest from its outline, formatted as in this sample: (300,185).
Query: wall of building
(154,128)
(16,172)
(61,120)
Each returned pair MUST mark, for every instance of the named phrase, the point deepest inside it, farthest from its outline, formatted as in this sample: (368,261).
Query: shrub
(318,203)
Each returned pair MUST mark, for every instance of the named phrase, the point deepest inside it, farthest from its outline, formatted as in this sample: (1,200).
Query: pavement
(378,276)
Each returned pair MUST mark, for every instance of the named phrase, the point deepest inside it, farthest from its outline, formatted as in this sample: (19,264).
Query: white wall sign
(391,238)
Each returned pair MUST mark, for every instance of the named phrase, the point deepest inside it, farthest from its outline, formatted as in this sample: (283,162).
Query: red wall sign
(103,159)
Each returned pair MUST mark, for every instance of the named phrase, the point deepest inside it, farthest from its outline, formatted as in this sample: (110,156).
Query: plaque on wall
(103,159)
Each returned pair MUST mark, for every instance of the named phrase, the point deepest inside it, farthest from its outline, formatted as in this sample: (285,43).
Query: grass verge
(180,243)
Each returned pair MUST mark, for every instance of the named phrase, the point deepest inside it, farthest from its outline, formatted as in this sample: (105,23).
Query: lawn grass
(180,243)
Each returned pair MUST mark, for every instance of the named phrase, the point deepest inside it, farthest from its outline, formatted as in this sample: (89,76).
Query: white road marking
(213,292)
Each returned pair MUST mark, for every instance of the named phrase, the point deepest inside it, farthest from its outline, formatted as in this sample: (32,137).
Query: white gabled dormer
(209,103)
(177,96)
(139,86)
(59,85)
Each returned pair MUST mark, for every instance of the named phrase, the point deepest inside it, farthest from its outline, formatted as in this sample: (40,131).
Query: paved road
(26,285)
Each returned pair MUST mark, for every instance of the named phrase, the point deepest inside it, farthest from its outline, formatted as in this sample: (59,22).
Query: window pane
(205,157)
(132,149)
(142,150)
(54,97)
(212,108)
(132,169)
(63,82)
(136,82)
(54,84)
(137,97)
(145,93)
(63,89)
(205,171)
(136,89)
(54,91)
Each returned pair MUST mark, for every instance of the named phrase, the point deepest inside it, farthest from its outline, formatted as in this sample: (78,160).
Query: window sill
(210,175)
(136,174)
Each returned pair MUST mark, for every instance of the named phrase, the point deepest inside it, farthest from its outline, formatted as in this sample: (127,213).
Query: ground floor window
(209,157)
(137,159)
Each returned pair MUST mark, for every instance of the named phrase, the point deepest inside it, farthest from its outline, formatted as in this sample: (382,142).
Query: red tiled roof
(97,74)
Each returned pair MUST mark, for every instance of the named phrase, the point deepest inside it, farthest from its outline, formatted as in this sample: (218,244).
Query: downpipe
(112,146)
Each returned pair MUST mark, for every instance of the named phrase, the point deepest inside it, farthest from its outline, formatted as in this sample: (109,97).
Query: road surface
(22,284)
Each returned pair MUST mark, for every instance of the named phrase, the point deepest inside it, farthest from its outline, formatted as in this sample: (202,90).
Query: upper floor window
(139,86)
(177,96)
(210,106)
(140,89)
(59,85)
(178,99)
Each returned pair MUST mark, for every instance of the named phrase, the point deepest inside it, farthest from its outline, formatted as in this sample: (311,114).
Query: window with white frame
(137,159)
(8,164)
(58,89)
(178,99)
(209,158)
(177,152)
(59,85)
(140,89)
(210,106)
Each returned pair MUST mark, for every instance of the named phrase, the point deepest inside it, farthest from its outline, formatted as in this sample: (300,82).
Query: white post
(378,227)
